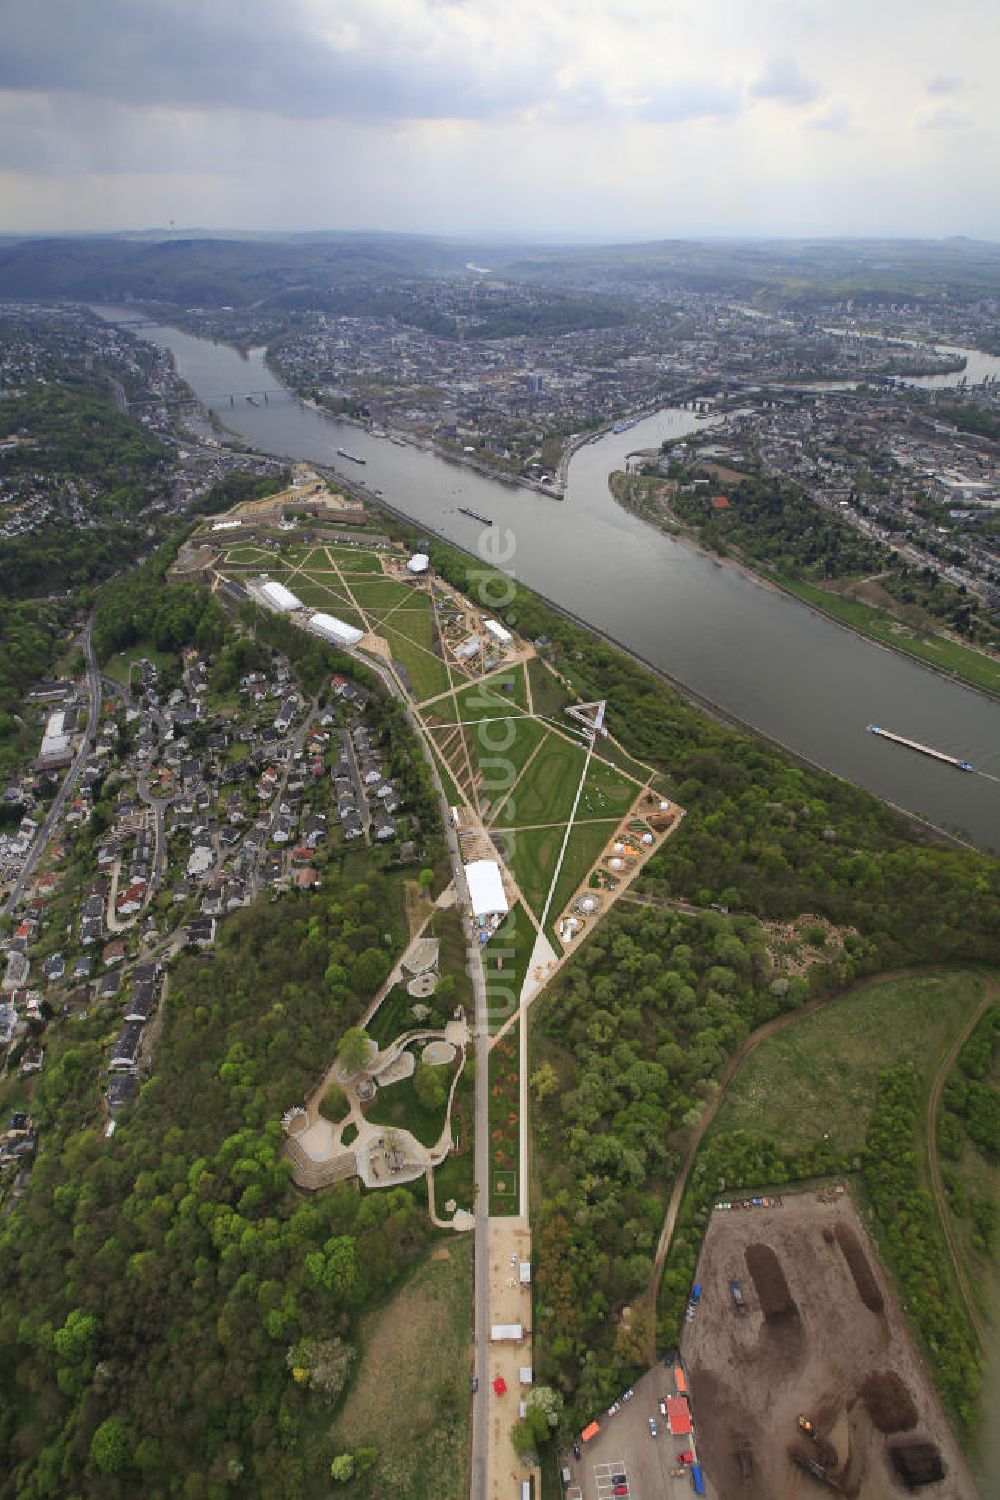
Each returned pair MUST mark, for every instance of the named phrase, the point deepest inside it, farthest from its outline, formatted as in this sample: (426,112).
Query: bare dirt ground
(750,1378)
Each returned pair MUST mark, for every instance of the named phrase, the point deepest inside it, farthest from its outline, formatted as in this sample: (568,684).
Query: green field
(548,696)
(328,597)
(585,844)
(481,700)
(378,595)
(426,673)
(354,559)
(547,794)
(972,666)
(501,756)
(819,1074)
(119,667)
(532,855)
(413,1409)
(607,792)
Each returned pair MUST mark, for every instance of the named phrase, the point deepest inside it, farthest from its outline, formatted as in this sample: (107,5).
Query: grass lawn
(454,1178)
(511,946)
(532,856)
(392,1017)
(448,781)
(410,1394)
(399,1106)
(504,1102)
(447,927)
(819,1075)
(328,597)
(119,667)
(425,671)
(353,559)
(248,552)
(971,666)
(501,751)
(377,595)
(607,793)
(486,700)
(971,1176)
(547,792)
(548,696)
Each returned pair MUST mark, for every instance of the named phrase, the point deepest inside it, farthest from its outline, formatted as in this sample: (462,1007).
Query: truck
(736,1292)
(697,1479)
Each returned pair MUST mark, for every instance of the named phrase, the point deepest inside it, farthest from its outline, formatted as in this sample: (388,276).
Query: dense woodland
(171,1305)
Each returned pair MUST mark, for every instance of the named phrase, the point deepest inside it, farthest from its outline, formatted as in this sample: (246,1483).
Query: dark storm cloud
(346,59)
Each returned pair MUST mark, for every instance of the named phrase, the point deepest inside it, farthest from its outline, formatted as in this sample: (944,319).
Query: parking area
(653,1467)
(611,1479)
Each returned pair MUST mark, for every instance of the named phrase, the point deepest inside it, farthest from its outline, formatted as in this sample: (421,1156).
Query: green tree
(110,1448)
(354,1049)
(342,1468)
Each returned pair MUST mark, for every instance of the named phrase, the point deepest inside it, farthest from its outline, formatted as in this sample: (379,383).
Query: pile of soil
(917,1463)
(888,1402)
(769,1280)
(857,1262)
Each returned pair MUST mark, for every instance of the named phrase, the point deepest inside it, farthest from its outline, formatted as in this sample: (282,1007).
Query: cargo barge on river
(898,739)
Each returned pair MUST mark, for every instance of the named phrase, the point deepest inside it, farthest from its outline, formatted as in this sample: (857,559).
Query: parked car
(577,1450)
(652,1426)
(614,1407)
(663,1407)
(474,1384)
(629,1393)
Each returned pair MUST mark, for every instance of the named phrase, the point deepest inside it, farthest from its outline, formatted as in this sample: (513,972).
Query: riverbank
(940,654)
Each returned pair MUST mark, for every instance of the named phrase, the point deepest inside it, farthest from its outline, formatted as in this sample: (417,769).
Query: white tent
(498,632)
(486,888)
(279,597)
(418,563)
(332,629)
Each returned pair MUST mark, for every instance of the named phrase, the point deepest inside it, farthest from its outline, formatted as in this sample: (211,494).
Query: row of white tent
(328,626)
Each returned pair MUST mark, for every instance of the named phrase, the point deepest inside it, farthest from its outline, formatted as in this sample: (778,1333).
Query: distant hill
(212,270)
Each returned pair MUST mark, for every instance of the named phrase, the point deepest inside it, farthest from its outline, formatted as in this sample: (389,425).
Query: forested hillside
(173,1310)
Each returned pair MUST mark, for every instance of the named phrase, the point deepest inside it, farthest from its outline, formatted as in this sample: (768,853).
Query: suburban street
(86,745)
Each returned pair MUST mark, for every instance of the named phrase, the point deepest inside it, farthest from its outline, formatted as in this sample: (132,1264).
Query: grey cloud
(943,83)
(181,54)
(784,80)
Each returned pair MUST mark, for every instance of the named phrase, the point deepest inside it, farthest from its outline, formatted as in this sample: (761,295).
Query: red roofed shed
(678,1415)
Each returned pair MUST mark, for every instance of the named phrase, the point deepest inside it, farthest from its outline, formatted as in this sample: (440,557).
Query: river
(766,658)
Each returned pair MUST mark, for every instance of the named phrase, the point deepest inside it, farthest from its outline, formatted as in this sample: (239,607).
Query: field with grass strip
(532,855)
(379,595)
(819,1074)
(329,597)
(410,1394)
(971,666)
(354,559)
(482,700)
(426,673)
(501,755)
(547,793)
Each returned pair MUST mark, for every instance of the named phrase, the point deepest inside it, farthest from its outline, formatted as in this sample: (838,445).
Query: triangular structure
(590,715)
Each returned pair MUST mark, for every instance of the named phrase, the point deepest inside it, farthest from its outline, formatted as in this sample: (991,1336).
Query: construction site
(803,1376)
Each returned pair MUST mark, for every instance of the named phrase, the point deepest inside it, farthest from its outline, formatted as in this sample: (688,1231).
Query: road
(87,744)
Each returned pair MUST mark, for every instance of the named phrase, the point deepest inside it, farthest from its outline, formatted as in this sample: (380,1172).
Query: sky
(556,119)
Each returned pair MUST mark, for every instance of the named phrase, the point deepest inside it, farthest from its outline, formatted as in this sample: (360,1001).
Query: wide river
(764,657)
